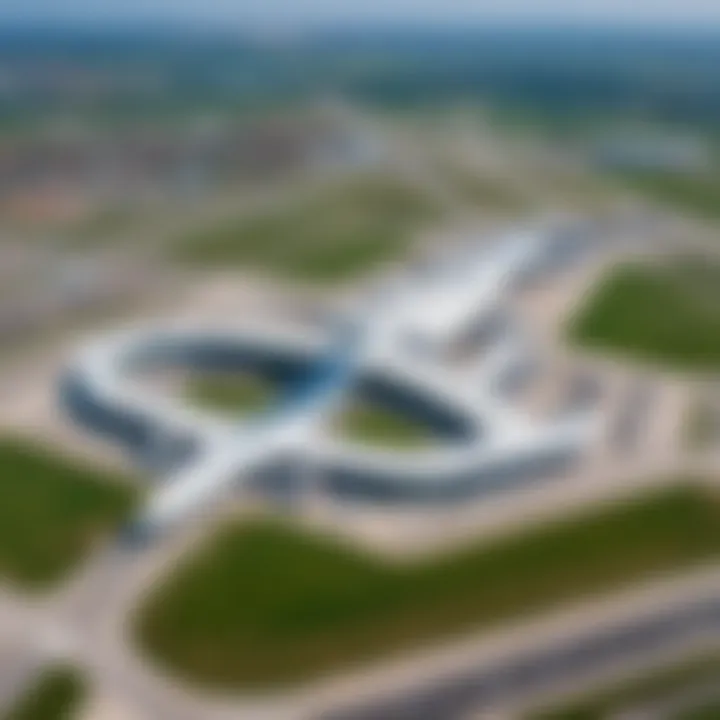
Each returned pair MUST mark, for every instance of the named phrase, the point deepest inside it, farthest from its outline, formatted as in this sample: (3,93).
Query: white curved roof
(436,307)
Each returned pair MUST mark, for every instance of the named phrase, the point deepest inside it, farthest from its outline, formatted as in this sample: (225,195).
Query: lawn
(328,237)
(371,424)
(51,512)
(230,393)
(262,604)
(669,315)
(57,695)
(706,711)
(646,689)
(241,394)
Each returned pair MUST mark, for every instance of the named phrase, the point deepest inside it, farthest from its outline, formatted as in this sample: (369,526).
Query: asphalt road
(474,691)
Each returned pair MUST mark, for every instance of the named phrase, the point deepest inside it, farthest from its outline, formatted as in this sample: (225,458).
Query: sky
(303,13)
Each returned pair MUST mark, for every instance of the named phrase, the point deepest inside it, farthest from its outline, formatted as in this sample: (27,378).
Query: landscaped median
(262,604)
(52,511)
(644,690)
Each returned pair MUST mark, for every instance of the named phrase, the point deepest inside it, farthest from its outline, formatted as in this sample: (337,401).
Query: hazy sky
(296,12)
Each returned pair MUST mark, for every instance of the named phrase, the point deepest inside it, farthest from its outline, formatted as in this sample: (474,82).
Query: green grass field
(706,711)
(371,424)
(263,604)
(638,691)
(243,394)
(51,512)
(230,393)
(669,315)
(56,695)
(696,194)
(328,237)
